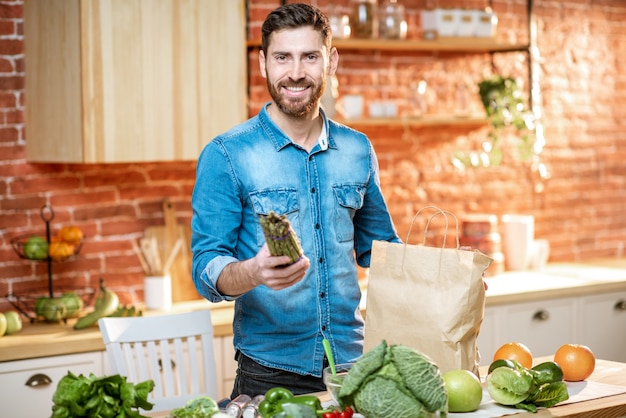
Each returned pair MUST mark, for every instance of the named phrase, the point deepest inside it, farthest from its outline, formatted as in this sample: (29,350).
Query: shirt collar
(281,140)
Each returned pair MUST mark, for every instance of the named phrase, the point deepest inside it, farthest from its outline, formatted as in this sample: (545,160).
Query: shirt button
(323,327)
(321,260)
(317,226)
(322,294)
(312,189)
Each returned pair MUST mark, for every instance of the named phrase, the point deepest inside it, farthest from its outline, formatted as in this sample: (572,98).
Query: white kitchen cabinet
(111,81)
(597,321)
(19,398)
(543,326)
(602,320)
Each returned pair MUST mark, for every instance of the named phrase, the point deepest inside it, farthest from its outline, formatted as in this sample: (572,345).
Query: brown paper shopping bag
(428,298)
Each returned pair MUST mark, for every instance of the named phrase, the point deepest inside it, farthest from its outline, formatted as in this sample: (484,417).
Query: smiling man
(293,160)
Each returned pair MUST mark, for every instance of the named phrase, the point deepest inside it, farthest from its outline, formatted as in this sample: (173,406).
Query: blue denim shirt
(332,198)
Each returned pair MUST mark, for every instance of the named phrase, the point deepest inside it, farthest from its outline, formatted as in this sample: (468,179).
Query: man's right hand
(263,269)
(274,273)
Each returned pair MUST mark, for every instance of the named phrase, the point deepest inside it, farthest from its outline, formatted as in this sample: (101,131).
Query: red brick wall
(580,210)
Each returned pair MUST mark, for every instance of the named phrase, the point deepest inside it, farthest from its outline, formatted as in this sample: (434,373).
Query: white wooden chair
(175,351)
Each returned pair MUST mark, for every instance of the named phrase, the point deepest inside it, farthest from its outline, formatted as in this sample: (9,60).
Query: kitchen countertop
(557,280)
(42,339)
(597,405)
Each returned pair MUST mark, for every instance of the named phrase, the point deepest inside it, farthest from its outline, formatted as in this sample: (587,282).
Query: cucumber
(547,372)
(501,363)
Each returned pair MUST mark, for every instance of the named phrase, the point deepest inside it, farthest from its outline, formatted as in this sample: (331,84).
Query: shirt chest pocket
(349,199)
(282,201)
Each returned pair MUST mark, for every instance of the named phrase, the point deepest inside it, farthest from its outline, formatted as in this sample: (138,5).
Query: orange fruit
(60,250)
(71,234)
(576,360)
(515,351)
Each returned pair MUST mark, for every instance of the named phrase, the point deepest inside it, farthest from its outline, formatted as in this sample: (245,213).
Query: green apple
(14,322)
(3,325)
(54,310)
(464,390)
(73,303)
(36,248)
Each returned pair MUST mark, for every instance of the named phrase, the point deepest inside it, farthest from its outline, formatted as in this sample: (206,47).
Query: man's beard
(297,108)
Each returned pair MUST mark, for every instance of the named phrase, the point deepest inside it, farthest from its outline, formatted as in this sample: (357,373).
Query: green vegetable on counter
(104,397)
(395,381)
(528,389)
(200,407)
(279,401)
(294,410)
(547,372)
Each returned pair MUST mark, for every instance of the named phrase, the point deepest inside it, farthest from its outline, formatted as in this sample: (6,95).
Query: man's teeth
(295,88)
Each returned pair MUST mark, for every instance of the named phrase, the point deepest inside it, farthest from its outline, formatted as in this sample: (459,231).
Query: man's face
(295,68)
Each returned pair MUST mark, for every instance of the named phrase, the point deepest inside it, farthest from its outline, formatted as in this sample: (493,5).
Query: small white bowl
(333,383)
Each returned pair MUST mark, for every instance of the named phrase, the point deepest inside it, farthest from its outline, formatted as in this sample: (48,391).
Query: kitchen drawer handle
(620,305)
(541,315)
(37,380)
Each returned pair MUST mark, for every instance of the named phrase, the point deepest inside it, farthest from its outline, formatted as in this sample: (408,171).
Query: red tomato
(346,413)
(333,414)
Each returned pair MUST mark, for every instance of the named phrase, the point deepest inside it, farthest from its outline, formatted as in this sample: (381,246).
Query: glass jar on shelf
(392,20)
(339,23)
(364,22)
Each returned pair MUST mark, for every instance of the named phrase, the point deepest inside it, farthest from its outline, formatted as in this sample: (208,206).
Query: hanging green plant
(506,110)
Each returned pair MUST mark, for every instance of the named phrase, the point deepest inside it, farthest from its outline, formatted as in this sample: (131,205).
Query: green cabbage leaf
(395,381)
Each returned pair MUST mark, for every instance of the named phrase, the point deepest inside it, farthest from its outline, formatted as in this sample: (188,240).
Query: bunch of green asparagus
(280,237)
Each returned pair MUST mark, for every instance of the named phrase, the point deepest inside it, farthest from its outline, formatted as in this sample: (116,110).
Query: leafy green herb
(104,397)
(292,410)
(200,407)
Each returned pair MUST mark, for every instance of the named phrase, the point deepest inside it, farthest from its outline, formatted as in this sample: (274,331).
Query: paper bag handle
(444,213)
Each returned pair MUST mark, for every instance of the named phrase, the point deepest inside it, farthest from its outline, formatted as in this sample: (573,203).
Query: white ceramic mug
(157,292)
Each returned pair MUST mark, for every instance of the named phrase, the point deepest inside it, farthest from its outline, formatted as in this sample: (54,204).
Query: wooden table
(608,372)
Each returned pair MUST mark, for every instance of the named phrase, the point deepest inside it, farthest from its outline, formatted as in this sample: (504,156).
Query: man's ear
(333,61)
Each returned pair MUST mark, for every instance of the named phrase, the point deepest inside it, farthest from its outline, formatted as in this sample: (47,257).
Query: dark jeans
(255,379)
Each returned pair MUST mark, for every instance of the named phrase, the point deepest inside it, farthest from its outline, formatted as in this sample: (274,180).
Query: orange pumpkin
(71,234)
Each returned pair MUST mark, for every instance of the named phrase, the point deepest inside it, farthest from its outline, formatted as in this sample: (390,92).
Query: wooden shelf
(427,120)
(456,44)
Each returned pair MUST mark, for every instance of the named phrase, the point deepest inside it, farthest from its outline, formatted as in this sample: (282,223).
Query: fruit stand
(60,247)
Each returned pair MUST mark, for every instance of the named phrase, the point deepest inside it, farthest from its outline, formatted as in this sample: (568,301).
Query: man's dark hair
(292,16)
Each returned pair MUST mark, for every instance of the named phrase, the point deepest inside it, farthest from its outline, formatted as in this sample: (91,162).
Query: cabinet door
(125,81)
(542,326)
(19,399)
(603,325)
